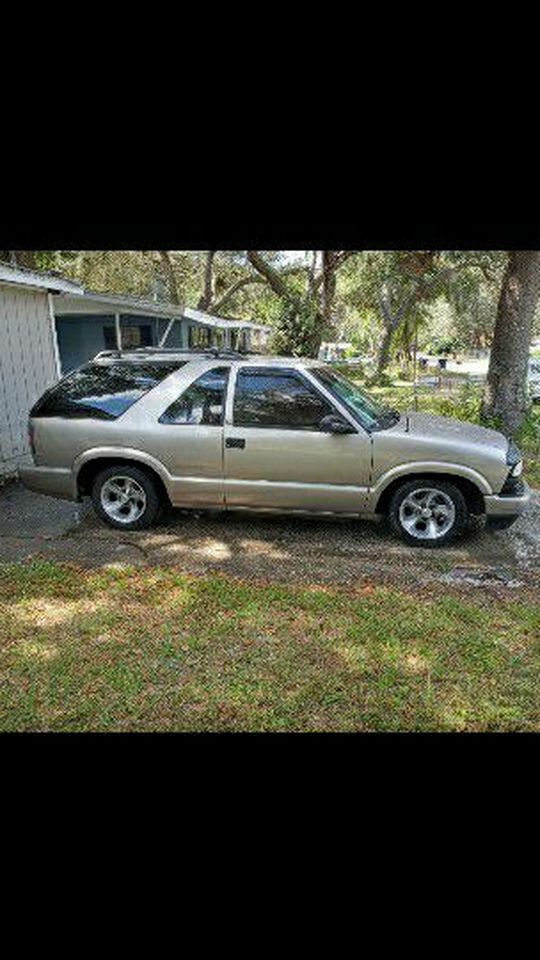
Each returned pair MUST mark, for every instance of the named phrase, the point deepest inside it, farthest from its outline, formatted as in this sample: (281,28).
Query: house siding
(81,337)
(27,368)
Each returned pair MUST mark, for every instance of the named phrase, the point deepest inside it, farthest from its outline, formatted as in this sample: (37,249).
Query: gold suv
(137,430)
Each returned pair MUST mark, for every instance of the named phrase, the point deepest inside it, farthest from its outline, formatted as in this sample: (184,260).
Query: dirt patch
(350,553)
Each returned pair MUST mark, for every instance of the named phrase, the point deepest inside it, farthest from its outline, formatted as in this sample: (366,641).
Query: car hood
(430,426)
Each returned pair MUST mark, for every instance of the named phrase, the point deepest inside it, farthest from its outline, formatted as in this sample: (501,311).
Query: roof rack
(214,352)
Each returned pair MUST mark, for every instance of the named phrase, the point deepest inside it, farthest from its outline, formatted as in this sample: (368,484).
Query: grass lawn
(151,649)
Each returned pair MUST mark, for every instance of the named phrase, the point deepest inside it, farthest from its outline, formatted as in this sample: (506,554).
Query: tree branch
(272,276)
(335,259)
(246,281)
(223,300)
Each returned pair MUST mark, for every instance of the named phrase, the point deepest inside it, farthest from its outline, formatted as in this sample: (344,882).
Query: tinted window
(276,398)
(202,403)
(102,391)
(364,407)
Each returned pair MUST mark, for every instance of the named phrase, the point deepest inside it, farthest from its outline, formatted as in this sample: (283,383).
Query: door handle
(238,442)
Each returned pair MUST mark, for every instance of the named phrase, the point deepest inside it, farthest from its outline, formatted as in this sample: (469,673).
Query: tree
(23,258)
(506,400)
(219,290)
(306,305)
(405,285)
(207,294)
(400,282)
(169,274)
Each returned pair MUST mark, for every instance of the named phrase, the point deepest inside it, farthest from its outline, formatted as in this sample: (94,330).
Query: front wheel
(126,498)
(428,513)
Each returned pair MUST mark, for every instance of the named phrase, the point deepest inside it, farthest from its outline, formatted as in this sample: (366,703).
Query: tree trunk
(391,322)
(205,300)
(328,284)
(23,258)
(169,274)
(384,350)
(506,399)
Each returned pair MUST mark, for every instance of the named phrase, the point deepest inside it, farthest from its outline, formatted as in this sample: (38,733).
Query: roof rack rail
(214,352)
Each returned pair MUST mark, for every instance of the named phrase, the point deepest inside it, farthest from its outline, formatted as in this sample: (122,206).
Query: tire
(448,520)
(141,508)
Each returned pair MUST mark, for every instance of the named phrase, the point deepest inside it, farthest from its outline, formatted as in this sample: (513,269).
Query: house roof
(210,320)
(154,308)
(22,276)
(116,303)
(72,297)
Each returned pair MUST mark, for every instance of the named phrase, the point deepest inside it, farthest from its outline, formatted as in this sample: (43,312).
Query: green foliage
(451,296)
(297,329)
(443,345)
(379,380)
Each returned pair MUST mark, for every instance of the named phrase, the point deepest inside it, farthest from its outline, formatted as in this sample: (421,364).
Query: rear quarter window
(101,391)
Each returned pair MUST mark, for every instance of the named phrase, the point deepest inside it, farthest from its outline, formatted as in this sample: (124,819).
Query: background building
(50,325)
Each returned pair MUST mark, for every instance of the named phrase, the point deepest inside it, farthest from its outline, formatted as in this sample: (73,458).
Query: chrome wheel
(427,513)
(123,499)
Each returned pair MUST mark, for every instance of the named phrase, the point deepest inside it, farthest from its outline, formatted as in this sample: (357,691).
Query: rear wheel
(125,498)
(428,513)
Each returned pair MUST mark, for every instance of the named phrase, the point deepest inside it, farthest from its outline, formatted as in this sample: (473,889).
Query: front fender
(428,466)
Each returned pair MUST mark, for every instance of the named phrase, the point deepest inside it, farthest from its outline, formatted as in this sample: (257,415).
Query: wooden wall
(27,367)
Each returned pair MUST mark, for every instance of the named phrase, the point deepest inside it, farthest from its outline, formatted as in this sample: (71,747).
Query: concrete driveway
(266,548)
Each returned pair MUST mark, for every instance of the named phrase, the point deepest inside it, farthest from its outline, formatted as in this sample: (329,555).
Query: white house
(50,325)
(29,360)
(89,322)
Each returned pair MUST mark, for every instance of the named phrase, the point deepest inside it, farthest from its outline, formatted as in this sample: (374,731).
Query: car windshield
(371,414)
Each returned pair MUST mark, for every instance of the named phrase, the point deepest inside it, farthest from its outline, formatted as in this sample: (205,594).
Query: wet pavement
(258,547)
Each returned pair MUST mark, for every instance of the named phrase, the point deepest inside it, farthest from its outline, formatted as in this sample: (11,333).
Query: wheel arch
(472,492)
(88,467)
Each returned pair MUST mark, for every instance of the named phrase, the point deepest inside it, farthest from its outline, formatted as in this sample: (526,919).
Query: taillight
(31,437)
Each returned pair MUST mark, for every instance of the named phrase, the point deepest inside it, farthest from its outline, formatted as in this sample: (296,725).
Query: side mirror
(333,423)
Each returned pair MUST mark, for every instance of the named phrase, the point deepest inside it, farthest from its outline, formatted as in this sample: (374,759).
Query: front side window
(267,397)
(102,391)
(203,402)
(364,407)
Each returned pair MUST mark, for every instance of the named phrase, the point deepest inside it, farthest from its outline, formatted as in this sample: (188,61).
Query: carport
(91,322)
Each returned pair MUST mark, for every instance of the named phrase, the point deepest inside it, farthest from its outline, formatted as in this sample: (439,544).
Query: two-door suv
(215,429)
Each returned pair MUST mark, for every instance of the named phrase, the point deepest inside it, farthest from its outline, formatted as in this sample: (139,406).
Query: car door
(275,454)
(186,435)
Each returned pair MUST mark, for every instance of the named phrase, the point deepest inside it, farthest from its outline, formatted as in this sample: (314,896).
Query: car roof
(157,355)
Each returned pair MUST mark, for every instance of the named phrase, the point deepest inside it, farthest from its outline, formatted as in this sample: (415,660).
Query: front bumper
(52,481)
(503,506)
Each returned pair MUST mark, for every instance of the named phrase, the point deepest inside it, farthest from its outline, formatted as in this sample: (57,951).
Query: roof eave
(21,276)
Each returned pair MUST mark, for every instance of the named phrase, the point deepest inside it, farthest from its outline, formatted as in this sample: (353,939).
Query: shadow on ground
(307,550)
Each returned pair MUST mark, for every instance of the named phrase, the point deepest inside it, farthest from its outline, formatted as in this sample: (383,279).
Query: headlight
(517,470)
